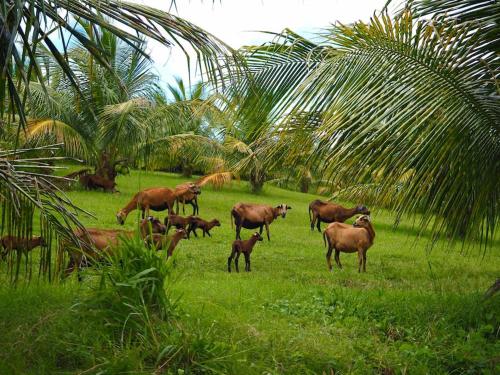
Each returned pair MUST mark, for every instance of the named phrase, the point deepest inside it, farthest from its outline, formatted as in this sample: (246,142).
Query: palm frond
(217,179)
(63,133)
(401,94)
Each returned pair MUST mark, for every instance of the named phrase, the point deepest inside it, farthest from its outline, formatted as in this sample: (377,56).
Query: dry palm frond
(217,179)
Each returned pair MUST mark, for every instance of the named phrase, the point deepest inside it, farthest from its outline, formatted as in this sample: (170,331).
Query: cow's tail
(324,238)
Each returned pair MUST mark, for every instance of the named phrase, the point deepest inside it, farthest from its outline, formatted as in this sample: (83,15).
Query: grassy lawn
(413,311)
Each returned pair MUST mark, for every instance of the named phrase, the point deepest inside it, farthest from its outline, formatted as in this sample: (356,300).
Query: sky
(238,22)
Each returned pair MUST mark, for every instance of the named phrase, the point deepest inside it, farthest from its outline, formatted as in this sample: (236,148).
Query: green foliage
(391,98)
(132,294)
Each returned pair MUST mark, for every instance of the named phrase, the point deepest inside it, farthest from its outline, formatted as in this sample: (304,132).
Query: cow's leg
(313,221)
(318,223)
(247,262)
(337,258)
(238,230)
(236,261)
(267,231)
(329,257)
(194,230)
(170,250)
(261,229)
(364,261)
(233,251)
(209,235)
(360,260)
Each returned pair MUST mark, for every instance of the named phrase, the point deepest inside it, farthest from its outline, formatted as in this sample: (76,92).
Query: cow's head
(282,209)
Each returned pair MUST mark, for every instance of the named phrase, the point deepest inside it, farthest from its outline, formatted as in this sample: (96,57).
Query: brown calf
(178,222)
(245,247)
(161,241)
(10,243)
(204,225)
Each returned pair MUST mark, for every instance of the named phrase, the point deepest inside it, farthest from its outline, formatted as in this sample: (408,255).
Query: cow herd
(93,244)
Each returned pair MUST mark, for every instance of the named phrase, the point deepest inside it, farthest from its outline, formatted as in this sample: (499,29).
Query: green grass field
(414,311)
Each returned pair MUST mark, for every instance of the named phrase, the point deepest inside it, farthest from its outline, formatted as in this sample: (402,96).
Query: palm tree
(194,116)
(27,27)
(106,120)
(406,96)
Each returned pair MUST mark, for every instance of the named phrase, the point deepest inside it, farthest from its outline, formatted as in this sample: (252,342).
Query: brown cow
(187,197)
(156,199)
(96,243)
(251,216)
(328,212)
(349,239)
(94,182)
(161,241)
(10,243)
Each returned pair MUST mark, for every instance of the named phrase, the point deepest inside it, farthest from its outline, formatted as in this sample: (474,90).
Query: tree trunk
(187,170)
(257,181)
(304,185)
(106,168)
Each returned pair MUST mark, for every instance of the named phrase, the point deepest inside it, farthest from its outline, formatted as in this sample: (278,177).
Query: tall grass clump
(131,297)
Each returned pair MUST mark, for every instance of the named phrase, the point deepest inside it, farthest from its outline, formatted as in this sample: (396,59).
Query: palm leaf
(402,94)
(73,142)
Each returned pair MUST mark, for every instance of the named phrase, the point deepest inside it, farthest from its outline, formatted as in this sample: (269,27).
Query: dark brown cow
(94,182)
(187,197)
(328,212)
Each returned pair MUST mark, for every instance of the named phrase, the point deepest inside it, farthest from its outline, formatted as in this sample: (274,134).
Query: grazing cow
(245,247)
(163,241)
(10,243)
(156,199)
(251,216)
(349,239)
(95,243)
(328,212)
(204,225)
(187,197)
